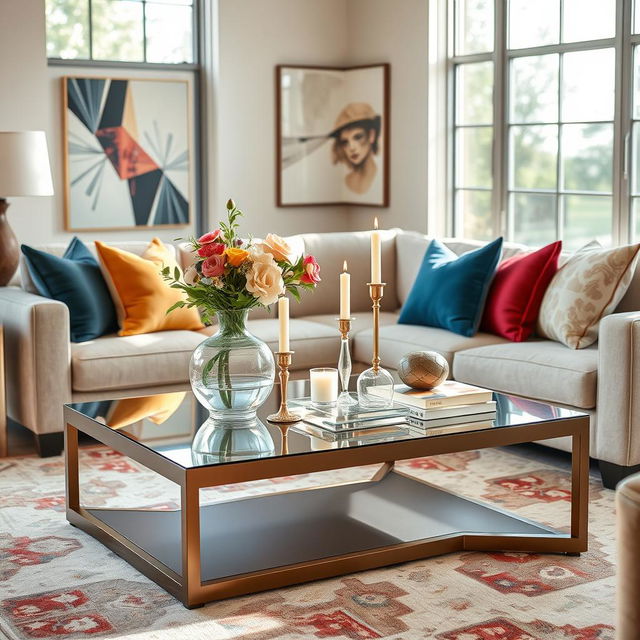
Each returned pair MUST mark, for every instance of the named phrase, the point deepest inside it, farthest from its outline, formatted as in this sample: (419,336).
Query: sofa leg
(613,473)
(49,444)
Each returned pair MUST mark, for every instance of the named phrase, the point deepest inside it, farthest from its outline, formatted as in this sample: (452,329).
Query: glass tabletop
(176,426)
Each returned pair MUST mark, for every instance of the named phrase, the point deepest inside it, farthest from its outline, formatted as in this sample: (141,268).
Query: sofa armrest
(628,543)
(37,358)
(618,403)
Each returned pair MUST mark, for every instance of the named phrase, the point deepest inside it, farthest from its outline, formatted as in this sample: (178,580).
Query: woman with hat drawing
(356,133)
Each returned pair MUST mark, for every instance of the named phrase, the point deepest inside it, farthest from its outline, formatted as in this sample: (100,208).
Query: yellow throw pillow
(139,292)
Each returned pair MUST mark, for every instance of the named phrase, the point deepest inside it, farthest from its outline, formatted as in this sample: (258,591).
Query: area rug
(58,582)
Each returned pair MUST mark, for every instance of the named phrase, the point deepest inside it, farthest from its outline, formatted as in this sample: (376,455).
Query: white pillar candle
(283,319)
(376,259)
(345,293)
(324,385)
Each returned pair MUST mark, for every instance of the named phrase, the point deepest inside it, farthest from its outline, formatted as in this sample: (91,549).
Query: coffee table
(204,553)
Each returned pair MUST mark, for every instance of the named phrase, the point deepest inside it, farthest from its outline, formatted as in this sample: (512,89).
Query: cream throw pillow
(585,289)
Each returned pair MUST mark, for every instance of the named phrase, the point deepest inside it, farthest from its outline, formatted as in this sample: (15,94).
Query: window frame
(196,46)
(622,43)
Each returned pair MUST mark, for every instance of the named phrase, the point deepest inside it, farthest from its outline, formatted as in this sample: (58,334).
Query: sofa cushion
(585,289)
(315,344)
(151,359)
(76,280)
(541,369)
(399,339)
(58,248)
(141,295)
(516,293)
(450,290)
(331,250)
(360,322)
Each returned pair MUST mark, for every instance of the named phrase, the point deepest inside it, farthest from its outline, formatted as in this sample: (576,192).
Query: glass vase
(232,374)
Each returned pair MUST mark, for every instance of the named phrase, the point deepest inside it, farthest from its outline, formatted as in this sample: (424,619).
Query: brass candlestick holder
(375,385)
(284,415)
(344,363)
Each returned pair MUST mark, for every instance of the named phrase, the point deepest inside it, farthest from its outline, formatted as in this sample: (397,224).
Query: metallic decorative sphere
(423,369)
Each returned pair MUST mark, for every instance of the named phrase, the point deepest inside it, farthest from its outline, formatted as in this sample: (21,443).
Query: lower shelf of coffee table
(260,533)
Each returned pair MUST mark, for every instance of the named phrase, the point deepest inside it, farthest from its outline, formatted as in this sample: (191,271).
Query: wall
(25,99)
(255,36)
(397,32)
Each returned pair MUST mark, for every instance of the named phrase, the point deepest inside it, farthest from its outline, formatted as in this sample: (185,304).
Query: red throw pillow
(516,292)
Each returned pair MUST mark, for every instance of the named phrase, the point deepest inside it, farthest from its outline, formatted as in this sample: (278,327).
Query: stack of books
(451,403)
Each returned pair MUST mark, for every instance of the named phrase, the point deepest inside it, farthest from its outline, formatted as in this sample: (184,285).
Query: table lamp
(24,171)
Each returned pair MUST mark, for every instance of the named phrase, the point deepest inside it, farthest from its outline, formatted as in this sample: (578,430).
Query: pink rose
(210,237)
(211,249)
(311,273)
(213,266)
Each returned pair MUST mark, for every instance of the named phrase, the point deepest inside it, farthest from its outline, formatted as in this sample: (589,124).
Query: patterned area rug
(57,582)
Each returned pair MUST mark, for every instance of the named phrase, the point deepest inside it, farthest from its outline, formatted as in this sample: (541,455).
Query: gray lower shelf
(260,533)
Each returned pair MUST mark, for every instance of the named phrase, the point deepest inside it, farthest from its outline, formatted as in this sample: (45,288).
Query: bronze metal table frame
(188,586)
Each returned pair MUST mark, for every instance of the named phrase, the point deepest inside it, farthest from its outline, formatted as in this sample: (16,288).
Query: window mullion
(500,127)
(90,16)
(622,123)
(144,30)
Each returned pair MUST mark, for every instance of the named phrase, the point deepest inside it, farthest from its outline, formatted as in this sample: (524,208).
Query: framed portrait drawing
(128,153)
(332,136)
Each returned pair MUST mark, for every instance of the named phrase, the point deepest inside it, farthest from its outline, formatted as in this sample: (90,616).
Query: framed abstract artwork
(332,135)
(128,161)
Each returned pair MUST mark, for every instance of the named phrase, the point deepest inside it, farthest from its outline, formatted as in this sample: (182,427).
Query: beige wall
(25,99)
(397,32)
(254,36)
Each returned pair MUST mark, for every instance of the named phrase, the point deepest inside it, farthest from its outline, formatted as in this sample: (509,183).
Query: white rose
(264,279)
(191,276)
(256,254)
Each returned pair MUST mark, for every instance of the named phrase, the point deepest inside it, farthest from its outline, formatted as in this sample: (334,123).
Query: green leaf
(176,305)
(176,273)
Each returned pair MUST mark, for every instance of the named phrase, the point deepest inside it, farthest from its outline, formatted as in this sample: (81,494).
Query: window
(145,31)
(546,129)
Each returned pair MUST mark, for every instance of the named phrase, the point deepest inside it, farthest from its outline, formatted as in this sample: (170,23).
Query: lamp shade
(24,164)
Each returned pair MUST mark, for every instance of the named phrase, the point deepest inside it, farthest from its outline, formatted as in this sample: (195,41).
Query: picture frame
(332,135)
(128,153)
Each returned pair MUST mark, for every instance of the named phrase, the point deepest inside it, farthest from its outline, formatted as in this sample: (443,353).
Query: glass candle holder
(324,386)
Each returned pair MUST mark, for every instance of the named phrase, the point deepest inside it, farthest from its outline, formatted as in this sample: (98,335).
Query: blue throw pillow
(76,280)
(450,291)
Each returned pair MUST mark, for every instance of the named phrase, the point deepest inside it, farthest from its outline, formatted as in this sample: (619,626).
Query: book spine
(476,398)
(450,412)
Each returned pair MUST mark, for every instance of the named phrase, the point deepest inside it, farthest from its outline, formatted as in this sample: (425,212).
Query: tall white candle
(376,260)
(345,293)
(283,319)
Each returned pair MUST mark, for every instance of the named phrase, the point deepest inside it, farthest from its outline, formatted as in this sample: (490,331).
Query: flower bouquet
(232,371)
(230,273)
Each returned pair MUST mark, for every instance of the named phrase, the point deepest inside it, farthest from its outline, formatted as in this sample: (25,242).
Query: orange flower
(235,257)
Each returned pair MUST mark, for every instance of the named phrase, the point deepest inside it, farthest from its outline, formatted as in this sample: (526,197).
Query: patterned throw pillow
(585,289)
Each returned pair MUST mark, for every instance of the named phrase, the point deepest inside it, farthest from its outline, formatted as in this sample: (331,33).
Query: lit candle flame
(375,222)
(344,267)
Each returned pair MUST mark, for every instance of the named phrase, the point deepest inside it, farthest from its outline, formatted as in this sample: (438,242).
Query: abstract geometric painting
(127,153)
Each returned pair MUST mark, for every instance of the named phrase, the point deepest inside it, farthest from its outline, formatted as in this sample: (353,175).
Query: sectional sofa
(45,370)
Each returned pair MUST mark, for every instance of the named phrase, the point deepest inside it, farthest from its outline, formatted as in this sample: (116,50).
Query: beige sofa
(45,370)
